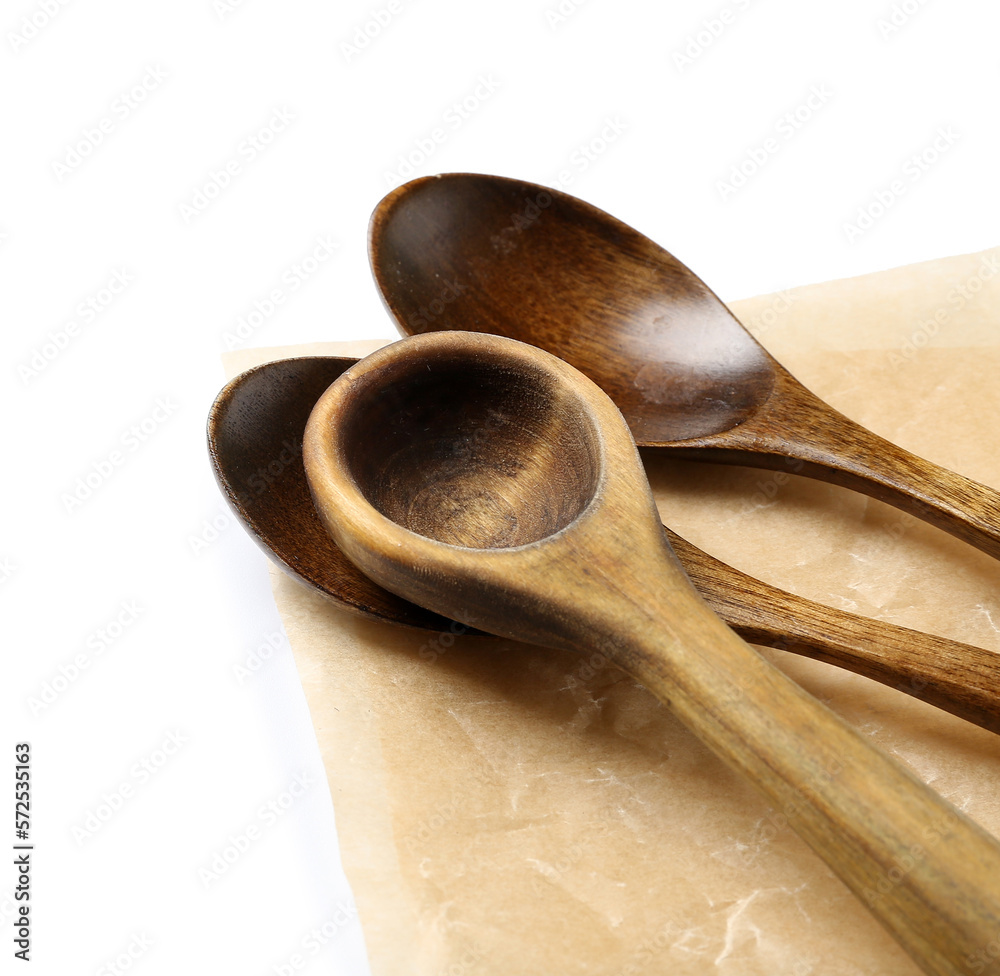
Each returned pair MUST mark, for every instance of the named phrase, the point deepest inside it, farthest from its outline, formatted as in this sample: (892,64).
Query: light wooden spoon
(255,430)
(487,254)
(495,484)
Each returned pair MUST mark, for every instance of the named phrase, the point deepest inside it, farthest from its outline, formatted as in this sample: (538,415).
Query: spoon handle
(795,425)
(929,874)
(959,678)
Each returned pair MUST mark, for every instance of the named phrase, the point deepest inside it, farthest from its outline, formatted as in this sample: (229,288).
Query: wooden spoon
(487,254)
(255,433)
(495,484)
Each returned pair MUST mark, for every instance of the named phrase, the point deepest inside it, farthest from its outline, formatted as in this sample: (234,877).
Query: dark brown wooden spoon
(492,482)
(487,254)
(255,431)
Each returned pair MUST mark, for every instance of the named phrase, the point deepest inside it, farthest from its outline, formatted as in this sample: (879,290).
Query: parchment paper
(506,809)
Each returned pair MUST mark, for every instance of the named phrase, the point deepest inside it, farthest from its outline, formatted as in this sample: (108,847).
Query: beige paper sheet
(505,809)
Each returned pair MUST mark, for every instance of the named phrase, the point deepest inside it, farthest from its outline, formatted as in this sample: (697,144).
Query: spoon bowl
(563,275)
(487,254)
(451,462)
(585,564)
(255,431)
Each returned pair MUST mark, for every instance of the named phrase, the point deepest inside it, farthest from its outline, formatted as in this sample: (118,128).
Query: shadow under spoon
(255,431)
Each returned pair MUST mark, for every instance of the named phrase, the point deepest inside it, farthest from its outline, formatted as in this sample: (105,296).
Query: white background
(597,93)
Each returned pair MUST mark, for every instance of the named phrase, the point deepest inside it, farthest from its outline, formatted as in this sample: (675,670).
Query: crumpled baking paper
(507,809)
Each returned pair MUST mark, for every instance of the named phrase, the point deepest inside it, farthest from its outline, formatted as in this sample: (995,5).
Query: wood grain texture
(255,431)
(487,254)
(795,425)
(592,570)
